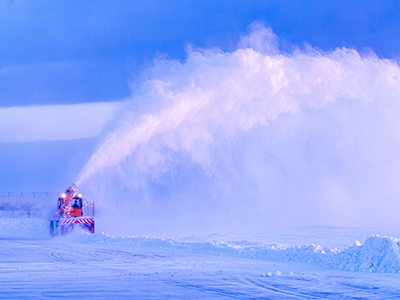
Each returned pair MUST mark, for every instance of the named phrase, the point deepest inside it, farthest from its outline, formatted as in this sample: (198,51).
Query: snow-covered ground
(297,263)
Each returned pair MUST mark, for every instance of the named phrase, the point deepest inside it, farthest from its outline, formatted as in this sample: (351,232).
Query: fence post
(27,206)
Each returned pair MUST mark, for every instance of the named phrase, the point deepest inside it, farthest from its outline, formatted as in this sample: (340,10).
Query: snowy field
(276,265)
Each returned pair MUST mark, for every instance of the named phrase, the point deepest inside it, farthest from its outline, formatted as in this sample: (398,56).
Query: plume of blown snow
(253,138)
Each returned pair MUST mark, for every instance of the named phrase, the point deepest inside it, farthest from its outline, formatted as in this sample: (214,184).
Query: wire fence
(28,205)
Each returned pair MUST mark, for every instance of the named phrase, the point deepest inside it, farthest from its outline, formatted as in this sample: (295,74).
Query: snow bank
(377,254)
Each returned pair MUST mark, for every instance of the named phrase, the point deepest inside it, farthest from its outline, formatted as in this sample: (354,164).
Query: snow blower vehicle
(72,210)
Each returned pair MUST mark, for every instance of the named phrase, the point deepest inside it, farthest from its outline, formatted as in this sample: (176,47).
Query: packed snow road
(69,268)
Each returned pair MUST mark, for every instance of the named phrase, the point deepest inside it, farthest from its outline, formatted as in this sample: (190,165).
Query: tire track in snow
(102,255)
(221,291)
(283,287)
(312,289)
(57,256)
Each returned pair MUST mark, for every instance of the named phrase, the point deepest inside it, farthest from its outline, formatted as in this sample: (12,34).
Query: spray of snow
(251,139)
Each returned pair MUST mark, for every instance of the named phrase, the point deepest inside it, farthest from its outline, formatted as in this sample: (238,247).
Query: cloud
(254,138)
(55,122)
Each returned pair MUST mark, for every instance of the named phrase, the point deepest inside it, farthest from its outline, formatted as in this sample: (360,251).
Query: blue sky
(87,51)
(61,56)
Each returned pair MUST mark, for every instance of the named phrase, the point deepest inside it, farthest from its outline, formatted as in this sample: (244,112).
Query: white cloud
(55,122)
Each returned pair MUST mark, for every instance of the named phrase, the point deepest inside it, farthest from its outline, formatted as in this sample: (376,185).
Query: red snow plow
(72,210)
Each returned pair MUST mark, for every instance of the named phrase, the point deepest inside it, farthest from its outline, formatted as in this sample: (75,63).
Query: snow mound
(377,254)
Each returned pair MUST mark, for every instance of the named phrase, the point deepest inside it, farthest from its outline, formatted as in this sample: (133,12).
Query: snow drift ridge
(378,254)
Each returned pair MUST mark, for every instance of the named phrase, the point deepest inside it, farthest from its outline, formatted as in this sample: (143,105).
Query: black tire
(88,227)
(66,228)
(54,227)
